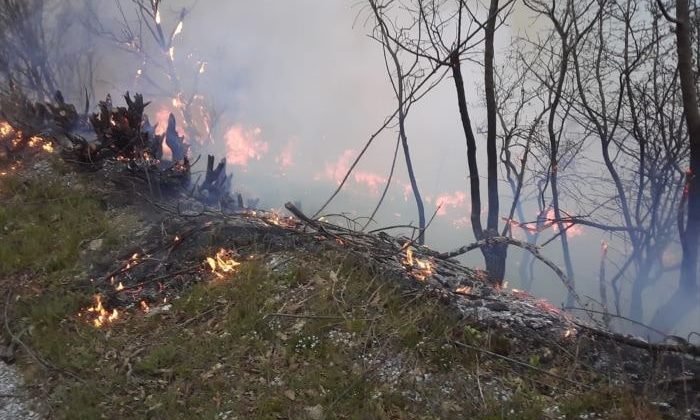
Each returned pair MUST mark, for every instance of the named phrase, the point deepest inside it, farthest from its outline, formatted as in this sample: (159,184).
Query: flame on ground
(222,263)
(463,290)
(102,315)
(570,333)
(420,269)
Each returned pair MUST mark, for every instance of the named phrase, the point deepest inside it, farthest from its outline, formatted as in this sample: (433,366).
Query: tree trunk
(412,178)
(474,189)
(689,239)
(490,92)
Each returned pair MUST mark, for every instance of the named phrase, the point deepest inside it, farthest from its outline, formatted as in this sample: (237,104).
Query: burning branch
(533,249)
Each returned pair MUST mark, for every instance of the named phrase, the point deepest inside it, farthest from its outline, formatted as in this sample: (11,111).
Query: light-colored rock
(96,244)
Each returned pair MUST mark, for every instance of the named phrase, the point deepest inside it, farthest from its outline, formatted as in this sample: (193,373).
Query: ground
(286,334)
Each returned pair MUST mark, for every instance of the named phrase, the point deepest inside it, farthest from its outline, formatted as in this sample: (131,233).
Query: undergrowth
(322,337)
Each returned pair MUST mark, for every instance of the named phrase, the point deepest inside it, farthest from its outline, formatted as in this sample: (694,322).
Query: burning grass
(290,333)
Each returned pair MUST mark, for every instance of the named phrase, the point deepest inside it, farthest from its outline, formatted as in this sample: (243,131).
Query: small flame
(104,316)
(171,53)
(158,16)
(6,129)
(178,29)
(570,332)
(119,287)
(421,269)
(144,307)
(202,66)
(222,263)
(463,290)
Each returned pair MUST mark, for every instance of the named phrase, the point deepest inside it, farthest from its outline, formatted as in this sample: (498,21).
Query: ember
(463,290)
(144,307)
(223,262)
(570,333)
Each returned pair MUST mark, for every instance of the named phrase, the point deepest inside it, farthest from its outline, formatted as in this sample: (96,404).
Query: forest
(367,209)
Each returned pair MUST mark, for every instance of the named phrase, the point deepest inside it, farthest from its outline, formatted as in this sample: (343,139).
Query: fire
(144,307)
(371,180)
(570,333)
(446,201)
(337,170)
(103,316)
(463,290)
(6,129)
(572,230)
(547,306)
(222,263)
(286,157)
(178,29)
(244,145)
(119,287)
(421,269)
(36,142)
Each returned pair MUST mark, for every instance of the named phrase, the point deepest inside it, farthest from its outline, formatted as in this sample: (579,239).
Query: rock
(95,244)
(315,412)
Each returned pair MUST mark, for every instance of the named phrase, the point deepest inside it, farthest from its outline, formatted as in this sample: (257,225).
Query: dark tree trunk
(689,266)
(474,189)
(412,178)
(491,112)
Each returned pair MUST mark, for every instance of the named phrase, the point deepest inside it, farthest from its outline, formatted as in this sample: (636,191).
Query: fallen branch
(533,249)
(682,347)
(523,364)
(342,318)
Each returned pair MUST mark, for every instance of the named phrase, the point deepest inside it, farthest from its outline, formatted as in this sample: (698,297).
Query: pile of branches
(120,137)
(26,125)
(124,134)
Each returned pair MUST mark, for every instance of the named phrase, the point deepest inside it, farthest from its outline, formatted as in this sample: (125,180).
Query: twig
(35,356)
(523,364)
(684,348)
(283,315)
(533,249)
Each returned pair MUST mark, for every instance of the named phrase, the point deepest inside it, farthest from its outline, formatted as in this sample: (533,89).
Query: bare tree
(404,78)
(43,49)
(143,32)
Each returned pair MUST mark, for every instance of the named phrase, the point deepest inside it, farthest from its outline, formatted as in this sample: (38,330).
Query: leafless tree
(146,33)
(404,77)
(43,49)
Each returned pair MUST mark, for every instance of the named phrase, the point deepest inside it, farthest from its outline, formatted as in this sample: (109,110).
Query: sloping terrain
(119,306)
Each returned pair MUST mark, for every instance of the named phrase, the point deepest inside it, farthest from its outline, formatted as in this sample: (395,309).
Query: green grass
(225,348)
(43,225)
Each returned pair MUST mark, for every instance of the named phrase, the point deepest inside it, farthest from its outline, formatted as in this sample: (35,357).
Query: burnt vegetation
(136,284)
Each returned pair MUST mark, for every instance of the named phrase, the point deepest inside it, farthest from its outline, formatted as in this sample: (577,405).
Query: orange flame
(144,307)
(103,316)
(222,263)
(464,290)
(421,269)
(244,145)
